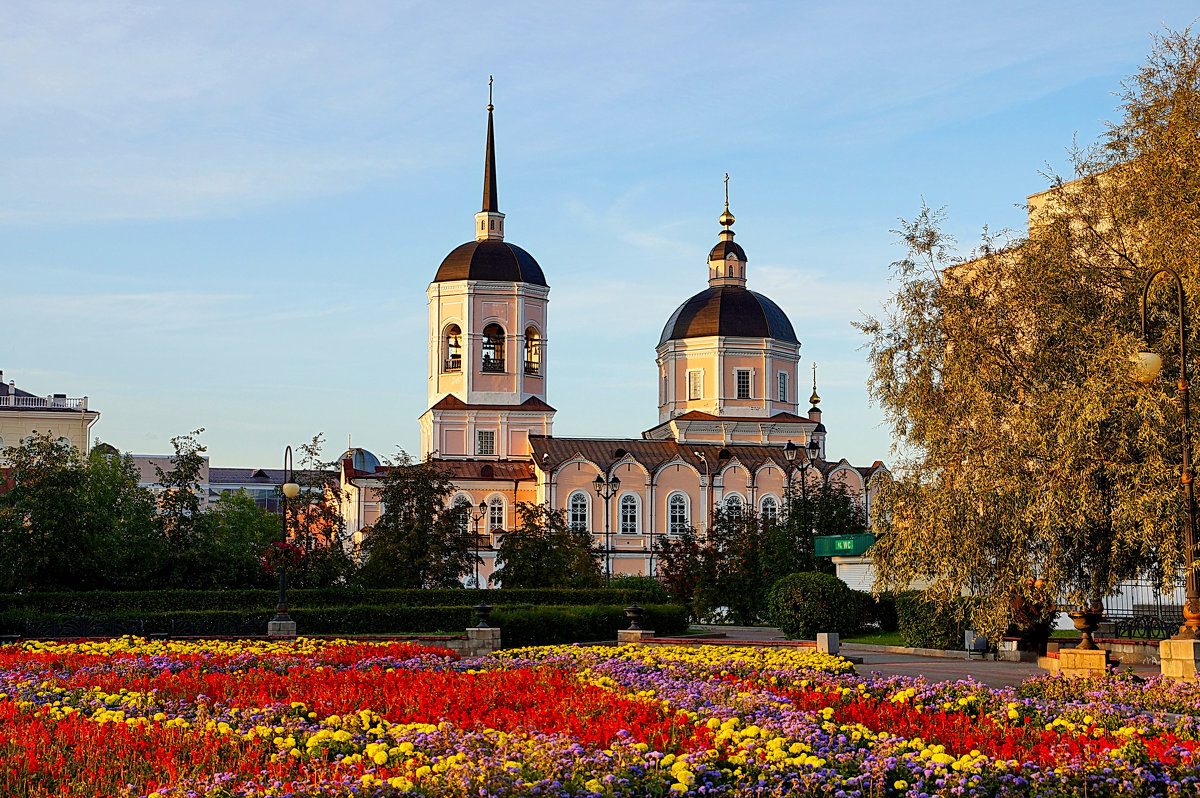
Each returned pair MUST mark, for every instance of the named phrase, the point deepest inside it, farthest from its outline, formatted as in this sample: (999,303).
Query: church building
(729,435)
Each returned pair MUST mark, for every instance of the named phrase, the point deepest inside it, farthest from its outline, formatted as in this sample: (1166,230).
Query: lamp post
(606,489)
(1147,365)
(708,491)
(789,453)
(477,516)
(282,624)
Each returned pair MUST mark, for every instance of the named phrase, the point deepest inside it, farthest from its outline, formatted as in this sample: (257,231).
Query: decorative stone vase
(483,612)
(1087,621)
(634,613)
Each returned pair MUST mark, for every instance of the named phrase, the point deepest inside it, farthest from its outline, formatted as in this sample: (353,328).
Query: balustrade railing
(51,402)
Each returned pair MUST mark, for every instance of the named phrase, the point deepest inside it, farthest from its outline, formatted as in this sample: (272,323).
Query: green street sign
(843,545)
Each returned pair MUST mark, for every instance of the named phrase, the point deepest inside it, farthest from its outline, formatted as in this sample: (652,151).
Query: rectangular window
(485,441)
(743,383)
(783,392)
(695,384)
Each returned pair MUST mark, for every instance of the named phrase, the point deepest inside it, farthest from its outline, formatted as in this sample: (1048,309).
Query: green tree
(687,567)
(738,544)
(179,497)
(127,546)
(46,543)
(231,537)
(545,551)
(419,540)
(1026,450)
(319,528)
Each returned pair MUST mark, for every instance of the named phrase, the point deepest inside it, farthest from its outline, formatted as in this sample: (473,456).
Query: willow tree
(1025,449)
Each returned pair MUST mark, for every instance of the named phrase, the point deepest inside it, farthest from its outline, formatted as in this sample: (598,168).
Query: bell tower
(488,308)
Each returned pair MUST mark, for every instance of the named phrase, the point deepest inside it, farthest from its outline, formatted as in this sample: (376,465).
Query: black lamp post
(1147,365)
(290,490)
(606,489)
(477,516)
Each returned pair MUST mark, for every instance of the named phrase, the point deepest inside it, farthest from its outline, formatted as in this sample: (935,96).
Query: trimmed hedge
(520,626)
(142,603)
(806,603)
(878,612)
(922,625)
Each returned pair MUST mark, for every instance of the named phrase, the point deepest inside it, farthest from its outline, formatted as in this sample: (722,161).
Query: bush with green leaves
(923,623)
(803,604)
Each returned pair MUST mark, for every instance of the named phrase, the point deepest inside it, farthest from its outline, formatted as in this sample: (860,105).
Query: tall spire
(489,222)
(490,203)
(816,400)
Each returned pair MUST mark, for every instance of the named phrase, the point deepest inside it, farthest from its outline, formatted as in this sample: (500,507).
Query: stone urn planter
(483,612)
(634,613)
(1087,621)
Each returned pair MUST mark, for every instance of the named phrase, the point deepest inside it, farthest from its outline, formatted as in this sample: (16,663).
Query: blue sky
(226,214)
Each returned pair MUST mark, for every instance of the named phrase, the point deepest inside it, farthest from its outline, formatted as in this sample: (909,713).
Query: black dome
(490,259)
(728,310)
(723,248)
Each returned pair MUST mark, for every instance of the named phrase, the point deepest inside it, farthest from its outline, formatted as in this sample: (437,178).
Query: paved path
(935,669)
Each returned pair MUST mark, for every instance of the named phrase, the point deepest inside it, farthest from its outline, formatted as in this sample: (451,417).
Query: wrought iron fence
(1140,609)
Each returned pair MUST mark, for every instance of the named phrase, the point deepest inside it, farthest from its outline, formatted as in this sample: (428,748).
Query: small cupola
(814,412)
(727,260)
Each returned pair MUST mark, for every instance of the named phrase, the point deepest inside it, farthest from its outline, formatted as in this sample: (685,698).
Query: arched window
(629,515)
(677,514)
(452,349)
(770,510)
(533,352)
(464,523)
(577,510)
(496,513)
(493,348)
(729,270)
(733,504)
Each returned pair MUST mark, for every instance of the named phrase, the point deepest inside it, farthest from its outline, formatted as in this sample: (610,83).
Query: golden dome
(726,218)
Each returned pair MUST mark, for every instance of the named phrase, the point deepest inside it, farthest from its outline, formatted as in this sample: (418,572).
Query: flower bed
(338,718)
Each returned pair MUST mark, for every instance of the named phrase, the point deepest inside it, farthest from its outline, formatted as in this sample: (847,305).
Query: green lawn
(877,638)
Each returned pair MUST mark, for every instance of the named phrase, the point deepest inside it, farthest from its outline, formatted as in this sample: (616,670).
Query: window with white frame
(496,513)
(743,383)
(677,514)
(629,515)
(733,504)
(770,510)
(695,384)
(463,504)
(783,386)
(485,441)
(577,510)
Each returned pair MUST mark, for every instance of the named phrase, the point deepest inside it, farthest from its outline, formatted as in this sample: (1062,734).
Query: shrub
(651,589)
(803,604)
(922,624)
(878,612)
(140,603)
(520,626)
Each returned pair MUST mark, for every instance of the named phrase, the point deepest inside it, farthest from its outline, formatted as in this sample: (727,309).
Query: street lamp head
(789,451)
(814,449)
(482,506)
(598,484)
(290,489)
(614,483)
(1146,367)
